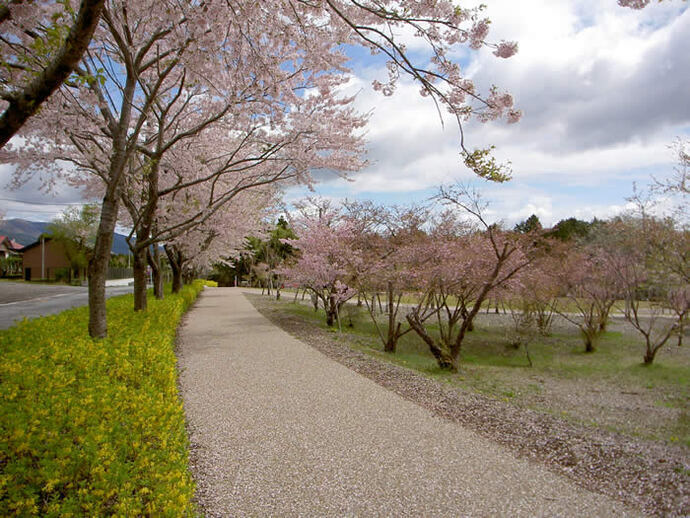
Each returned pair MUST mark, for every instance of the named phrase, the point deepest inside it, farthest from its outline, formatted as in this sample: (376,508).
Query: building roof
(11,243)
(36,243)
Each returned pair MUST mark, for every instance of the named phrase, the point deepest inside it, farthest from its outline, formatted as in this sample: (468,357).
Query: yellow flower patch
(94,427)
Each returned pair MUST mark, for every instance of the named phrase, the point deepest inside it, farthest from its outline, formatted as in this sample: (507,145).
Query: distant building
(47,260)
(10,257)
(9,247)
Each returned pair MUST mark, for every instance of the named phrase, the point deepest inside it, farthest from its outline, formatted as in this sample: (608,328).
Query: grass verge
(609,388)
(93,428)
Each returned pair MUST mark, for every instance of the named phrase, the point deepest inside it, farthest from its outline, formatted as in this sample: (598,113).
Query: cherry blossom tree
(383,233)
(644,308)
(219,237)
(39,50)
(99,120)
(679,183)
(326,253)
(95,123)
(533,299)
(229,159)
(679,301)
(650,288)
(457,269)
(590,289)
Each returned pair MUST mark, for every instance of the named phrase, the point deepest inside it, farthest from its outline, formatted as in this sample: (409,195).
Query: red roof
(11,243)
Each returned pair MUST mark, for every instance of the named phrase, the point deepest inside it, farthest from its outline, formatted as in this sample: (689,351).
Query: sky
(604,91)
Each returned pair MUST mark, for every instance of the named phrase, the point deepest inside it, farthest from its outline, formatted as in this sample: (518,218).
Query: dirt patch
(652,476)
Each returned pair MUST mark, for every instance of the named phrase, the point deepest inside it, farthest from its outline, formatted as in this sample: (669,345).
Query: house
(10,257)
(9,247)
(47,259)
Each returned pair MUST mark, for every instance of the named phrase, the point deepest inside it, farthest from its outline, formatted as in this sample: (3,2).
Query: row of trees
(182,118)
(435,269)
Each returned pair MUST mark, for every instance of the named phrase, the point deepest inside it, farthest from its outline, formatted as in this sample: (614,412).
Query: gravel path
(277,428)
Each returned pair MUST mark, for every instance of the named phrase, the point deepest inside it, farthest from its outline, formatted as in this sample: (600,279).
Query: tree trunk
(392,342)
(444,359)
(175,260)
(98,266)
(331,311)
(330,318)
(176,279)
(393,329)
(154,260)
(465,316)
(139,267)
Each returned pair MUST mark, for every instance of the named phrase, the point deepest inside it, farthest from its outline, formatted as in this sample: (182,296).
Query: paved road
(19,300)
(278,429)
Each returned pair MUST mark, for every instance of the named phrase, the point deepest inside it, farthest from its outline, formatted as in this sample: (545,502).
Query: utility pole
(43,258)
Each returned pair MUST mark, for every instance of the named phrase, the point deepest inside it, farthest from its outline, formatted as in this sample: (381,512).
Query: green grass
(94,428)
(488,364)
(565,305)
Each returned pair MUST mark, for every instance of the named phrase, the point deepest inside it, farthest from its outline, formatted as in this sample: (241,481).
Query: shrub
(94,427)
(210,283)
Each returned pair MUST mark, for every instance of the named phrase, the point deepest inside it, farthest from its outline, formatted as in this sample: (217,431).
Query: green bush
(94,427)
(210,283)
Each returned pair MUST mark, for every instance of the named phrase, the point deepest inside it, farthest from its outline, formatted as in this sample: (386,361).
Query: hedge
(95,427)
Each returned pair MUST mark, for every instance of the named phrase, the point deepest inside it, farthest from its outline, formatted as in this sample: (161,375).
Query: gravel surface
(651,476)
(277,428)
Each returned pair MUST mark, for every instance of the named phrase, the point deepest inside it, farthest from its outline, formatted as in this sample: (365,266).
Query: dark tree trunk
(589,342)
(175,260)
(392,342)
(443,357)
(330,318)
(465,316)
(331,311)
(393,327)
(154,260)
(139,267)
(176,280)
(681,330)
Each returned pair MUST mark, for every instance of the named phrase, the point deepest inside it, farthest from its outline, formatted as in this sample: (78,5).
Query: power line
(41,202)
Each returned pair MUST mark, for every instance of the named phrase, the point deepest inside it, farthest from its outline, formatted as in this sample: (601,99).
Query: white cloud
(31,202)
(604,90)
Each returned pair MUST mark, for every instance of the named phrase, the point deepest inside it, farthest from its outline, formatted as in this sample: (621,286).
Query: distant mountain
(22,231)
(26,232)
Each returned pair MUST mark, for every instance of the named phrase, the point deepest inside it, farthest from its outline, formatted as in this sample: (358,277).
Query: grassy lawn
(94,428)
(564,304)
(610,388)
